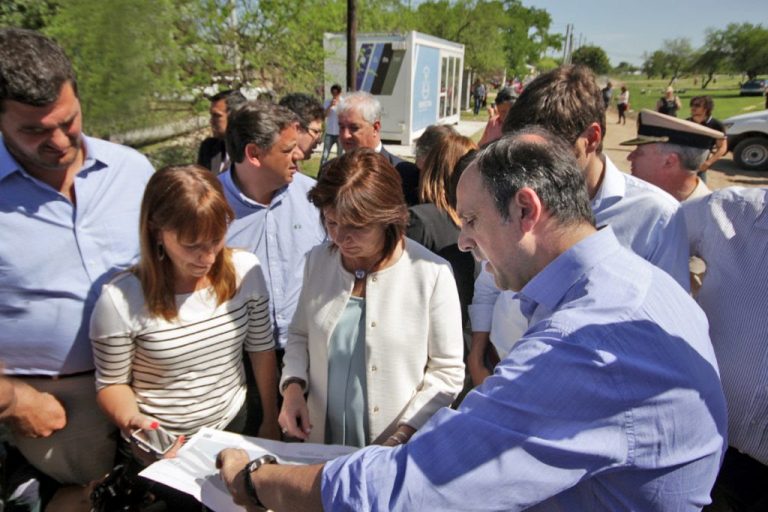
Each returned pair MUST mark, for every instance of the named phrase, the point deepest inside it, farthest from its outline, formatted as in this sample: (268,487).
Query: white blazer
(413,337)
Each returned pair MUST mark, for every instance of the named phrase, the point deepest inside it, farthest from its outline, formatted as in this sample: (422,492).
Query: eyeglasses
(696,105)
(314,132)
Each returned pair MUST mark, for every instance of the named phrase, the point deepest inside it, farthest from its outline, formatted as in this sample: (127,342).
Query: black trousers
(741,485)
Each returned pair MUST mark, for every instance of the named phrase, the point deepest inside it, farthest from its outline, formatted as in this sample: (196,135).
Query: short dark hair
(364,189)
(33,68)
(537,159)
(256,122)
(705,101)
(306,107)
(564,101)
(336,87)
(233,98)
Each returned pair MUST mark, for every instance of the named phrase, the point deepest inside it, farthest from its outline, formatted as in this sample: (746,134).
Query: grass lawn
(644,93)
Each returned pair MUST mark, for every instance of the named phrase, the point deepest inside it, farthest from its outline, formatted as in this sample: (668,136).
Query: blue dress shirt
(729,231)
(55,255)
(279,234)
(610,401)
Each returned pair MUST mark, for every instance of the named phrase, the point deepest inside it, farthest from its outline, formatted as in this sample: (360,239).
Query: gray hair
(256,122)
(534,158)
(690,158)
(33,68)
(362,102)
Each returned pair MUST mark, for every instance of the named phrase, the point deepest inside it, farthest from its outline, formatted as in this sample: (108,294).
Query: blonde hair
(439,165)
(189,201)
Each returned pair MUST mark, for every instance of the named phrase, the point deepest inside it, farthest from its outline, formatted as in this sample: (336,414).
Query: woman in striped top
(168,334)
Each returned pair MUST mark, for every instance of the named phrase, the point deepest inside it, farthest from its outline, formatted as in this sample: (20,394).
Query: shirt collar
(95,158)
(229,182)
(549,286)
(612,186)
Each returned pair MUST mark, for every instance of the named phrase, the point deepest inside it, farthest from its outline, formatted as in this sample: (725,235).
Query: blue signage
(426,91)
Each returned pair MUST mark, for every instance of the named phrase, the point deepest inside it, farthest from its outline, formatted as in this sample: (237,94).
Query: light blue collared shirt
(279,234)
(55,255)
(729,231)
(610,401)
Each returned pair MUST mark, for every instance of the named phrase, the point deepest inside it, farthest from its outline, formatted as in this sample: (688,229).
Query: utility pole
(351,44)
(565,43)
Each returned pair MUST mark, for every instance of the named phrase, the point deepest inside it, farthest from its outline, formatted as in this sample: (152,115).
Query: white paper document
(194,469)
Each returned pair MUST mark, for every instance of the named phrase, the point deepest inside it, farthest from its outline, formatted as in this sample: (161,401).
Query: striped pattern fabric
(187,373)
(729,231)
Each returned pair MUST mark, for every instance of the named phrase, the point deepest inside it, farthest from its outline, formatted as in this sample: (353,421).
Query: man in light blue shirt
(610,401)
(274,218)
(729,231)
(568,102)
(69,214)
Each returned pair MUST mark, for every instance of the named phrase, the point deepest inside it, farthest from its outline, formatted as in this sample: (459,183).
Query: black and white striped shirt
(186,373)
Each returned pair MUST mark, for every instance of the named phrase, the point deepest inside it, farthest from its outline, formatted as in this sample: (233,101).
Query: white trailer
(416,77)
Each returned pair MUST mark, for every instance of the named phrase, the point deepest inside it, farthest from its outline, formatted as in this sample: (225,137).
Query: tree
(747,46)
(712,56)
(656,64)
(593,57)
(625,68)
(679,54)
(121,67)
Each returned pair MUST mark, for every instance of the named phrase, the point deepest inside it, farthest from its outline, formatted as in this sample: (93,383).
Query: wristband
(250,489)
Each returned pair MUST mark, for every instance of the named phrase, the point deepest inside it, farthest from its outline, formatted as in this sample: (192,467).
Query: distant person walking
(622,104)
(607,94)
(479,92)
(669,103)
(701,112)
(331,124)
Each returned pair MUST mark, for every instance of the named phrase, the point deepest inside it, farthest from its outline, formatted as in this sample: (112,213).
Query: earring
(160,252)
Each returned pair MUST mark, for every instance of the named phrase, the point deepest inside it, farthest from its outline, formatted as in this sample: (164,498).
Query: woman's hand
(141,422)
(294,415)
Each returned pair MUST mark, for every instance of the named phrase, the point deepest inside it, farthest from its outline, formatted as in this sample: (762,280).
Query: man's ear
(594,135)
(377,126)
(526,208)
(253,154)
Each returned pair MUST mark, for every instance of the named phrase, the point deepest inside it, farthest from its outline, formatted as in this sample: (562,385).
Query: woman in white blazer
(376,340)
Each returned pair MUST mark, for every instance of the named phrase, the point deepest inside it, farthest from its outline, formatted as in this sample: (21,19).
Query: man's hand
(230,463)
(35,414)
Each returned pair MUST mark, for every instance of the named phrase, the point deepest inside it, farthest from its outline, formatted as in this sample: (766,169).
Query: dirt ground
(724,173)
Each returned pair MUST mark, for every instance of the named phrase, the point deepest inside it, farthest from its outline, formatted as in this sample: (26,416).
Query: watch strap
(250,489)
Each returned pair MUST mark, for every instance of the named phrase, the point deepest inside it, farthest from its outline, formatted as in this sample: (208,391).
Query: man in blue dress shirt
(610,401)
(69,219)
(273,217)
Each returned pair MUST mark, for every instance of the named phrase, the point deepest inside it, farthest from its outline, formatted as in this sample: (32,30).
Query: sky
(625,30)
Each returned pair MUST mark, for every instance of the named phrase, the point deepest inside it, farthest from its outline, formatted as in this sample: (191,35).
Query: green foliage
(593,57)
(30,14)
(123,56)
(748,48)
(625,68)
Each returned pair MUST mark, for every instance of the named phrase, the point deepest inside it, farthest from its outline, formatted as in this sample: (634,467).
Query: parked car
(748,140)
(754,87)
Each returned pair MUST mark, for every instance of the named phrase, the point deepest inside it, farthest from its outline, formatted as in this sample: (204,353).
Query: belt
(53,377)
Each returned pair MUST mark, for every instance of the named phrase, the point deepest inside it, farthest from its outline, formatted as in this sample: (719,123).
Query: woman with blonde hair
(168,334)
(376,338)
(435,223)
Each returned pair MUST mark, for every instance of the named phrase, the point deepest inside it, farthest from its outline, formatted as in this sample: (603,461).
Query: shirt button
(373,368)
(376,409)
(373,279)
(373,324)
